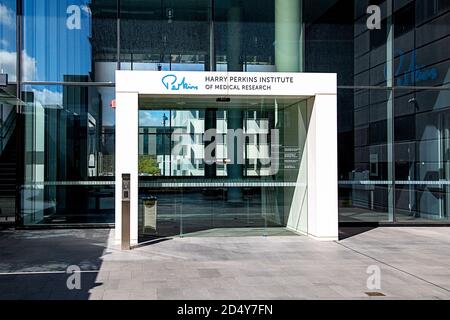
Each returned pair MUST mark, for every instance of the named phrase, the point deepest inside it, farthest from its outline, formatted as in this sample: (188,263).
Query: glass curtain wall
(164,35)
(8,60)
(393,112)
(69,52)
(421,117)
(8,56)
(69,156)
(393,77)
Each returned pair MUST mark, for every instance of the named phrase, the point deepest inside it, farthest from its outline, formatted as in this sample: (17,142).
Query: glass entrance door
(220,168)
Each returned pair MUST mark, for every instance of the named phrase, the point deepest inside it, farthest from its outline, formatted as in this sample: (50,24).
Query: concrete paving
(414,263)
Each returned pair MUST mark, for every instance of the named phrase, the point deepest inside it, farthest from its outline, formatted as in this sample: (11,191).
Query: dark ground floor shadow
(350,229)
(34,263)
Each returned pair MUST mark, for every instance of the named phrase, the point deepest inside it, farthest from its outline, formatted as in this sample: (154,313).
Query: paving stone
(414,264)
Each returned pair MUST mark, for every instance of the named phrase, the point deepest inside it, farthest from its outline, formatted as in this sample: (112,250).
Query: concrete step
(8,180)
(8,164)
(7,212)
(7,201)
(8,186)
(7,193)
(7,171)
(7,219)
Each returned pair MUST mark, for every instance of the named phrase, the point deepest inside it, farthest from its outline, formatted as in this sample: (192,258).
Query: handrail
(7,129)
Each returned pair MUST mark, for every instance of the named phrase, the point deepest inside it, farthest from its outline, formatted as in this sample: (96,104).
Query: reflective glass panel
(69,155)
(69,40)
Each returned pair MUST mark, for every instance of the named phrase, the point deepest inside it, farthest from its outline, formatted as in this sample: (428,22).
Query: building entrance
(207,164)
(220,153)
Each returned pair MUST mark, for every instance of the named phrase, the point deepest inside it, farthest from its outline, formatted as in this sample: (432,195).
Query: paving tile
(197,293)
(169,294)
(116,295)
(414,262)
(96,295)
(143,295)
(209,273)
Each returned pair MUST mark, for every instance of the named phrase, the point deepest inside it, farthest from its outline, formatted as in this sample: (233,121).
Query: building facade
(392,63)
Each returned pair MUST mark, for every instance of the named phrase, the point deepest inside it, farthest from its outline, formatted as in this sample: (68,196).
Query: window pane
(69,40)
(422,153)
(168,35)
(245,35)
(364,165)
(8,38)
(69,155)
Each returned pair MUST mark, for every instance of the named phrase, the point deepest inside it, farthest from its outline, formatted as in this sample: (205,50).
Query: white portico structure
(313,210)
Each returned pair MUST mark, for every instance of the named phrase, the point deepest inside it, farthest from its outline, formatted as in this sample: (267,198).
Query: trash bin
(149,214)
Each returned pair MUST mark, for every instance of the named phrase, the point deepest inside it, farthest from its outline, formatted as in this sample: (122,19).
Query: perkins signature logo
(414,71)
(409,74)
(172,83)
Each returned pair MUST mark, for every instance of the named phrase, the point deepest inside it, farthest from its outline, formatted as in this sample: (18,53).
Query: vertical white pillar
(322,169)
(127,148)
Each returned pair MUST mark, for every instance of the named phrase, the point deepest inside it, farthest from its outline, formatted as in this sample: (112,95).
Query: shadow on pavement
(150,240)
(351,230)
(33,264)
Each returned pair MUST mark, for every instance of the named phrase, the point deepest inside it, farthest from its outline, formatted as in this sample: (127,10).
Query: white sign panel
(226,83)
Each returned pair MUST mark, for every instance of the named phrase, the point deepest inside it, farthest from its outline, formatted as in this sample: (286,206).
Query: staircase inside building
(8,162)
